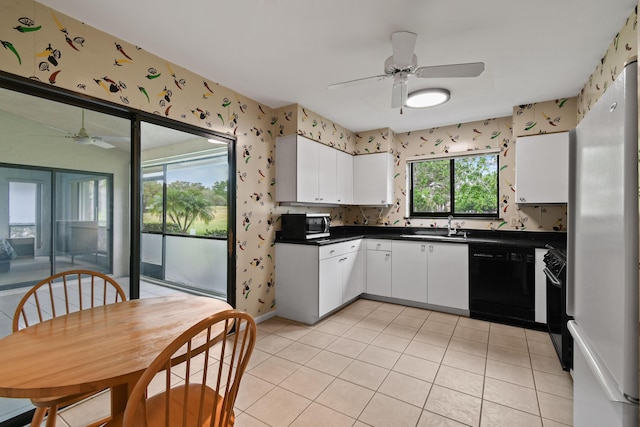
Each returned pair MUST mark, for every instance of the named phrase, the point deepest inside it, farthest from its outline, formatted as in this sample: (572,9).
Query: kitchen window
(462,186)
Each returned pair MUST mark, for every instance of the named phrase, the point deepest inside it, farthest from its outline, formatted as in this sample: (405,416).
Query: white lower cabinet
(432,273)
(378,262)
(409,271)
(312,281)
(352,267)
(329,285)
(448,275)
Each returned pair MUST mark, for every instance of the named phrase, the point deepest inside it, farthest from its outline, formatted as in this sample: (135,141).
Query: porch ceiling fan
(84,138)
(403,64)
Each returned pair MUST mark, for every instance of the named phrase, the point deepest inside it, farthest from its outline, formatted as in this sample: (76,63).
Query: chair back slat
(201,371)
(50,297)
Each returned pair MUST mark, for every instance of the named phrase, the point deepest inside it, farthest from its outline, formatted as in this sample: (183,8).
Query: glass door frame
(54,216)
(231,190)
(136,117)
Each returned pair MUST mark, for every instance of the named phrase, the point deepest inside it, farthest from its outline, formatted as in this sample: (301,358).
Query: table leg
(119,397)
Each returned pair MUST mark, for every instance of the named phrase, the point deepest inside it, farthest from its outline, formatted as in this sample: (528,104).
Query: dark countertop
(524,239)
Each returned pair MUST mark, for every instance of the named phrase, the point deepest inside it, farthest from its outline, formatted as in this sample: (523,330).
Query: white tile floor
(378,364)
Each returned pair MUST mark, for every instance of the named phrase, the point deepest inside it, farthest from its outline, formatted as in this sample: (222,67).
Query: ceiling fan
(83,137)
(404,64)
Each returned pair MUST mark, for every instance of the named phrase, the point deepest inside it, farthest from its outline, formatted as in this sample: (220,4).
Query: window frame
(451,212)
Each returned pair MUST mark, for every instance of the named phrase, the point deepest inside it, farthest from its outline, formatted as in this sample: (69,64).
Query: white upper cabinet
(327,174)
(344,175)
(542,168)
(305,171)
(373,179)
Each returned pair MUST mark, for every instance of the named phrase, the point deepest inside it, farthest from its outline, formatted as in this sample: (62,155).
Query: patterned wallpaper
(55,49)
(490,133)
(48,46)
(623,48)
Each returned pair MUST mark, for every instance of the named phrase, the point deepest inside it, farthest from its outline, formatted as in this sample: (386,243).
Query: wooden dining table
(98,348)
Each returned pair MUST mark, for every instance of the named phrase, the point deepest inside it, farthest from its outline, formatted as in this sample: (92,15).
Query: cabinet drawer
(378,245)
(338,249)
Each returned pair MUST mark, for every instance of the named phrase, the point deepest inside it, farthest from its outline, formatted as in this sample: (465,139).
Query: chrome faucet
(451,231)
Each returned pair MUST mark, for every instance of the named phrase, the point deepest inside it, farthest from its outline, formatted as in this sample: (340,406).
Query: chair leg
(52,416)
(38,416)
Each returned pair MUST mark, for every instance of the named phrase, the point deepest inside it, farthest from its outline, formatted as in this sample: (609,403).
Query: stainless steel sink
(455,238)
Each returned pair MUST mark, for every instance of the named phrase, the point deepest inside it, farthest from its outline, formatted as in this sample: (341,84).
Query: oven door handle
(552,277)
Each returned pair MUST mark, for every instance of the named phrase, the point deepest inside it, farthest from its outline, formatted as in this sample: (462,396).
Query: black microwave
(304,226)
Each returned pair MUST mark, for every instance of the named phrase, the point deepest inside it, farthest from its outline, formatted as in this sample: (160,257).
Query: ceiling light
(427,98)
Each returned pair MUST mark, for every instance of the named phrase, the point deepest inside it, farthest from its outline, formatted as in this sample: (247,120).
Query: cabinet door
(542,165)
(373,179)
(409,271)
(344,175)
(352,275)
(329,285)
(326,173)
(448,275)
(307,170)
(298,276)
(379,273)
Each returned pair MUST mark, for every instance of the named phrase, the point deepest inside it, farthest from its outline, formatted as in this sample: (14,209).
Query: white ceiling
(280,52)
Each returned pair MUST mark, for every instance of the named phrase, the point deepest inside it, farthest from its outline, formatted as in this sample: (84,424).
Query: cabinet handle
(422,247)
(522,199)
(332,251)
(387,256)
(430,248)
(378,246)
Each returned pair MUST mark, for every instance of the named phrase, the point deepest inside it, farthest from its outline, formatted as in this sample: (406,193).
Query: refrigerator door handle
(600,371)
(571,220)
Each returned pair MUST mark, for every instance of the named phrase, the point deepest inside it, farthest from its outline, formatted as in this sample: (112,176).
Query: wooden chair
(194,381)
(57,295)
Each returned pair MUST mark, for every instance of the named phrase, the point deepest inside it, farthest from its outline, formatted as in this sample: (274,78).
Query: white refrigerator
(602,258)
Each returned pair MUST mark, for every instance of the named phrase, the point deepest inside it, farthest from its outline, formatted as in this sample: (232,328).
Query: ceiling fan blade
(100,143)
(399,94)
(55,128)
(470,69)
(357,81)
(404,43)
(114,138)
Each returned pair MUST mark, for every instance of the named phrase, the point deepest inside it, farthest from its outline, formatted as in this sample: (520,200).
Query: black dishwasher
(502,283)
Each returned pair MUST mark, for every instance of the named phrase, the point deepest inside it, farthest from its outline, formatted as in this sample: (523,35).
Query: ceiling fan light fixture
(427,98)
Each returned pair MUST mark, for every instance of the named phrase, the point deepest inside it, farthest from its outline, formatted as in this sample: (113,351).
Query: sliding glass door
(83,232)
(55,221)
(25,226)
(184,210)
